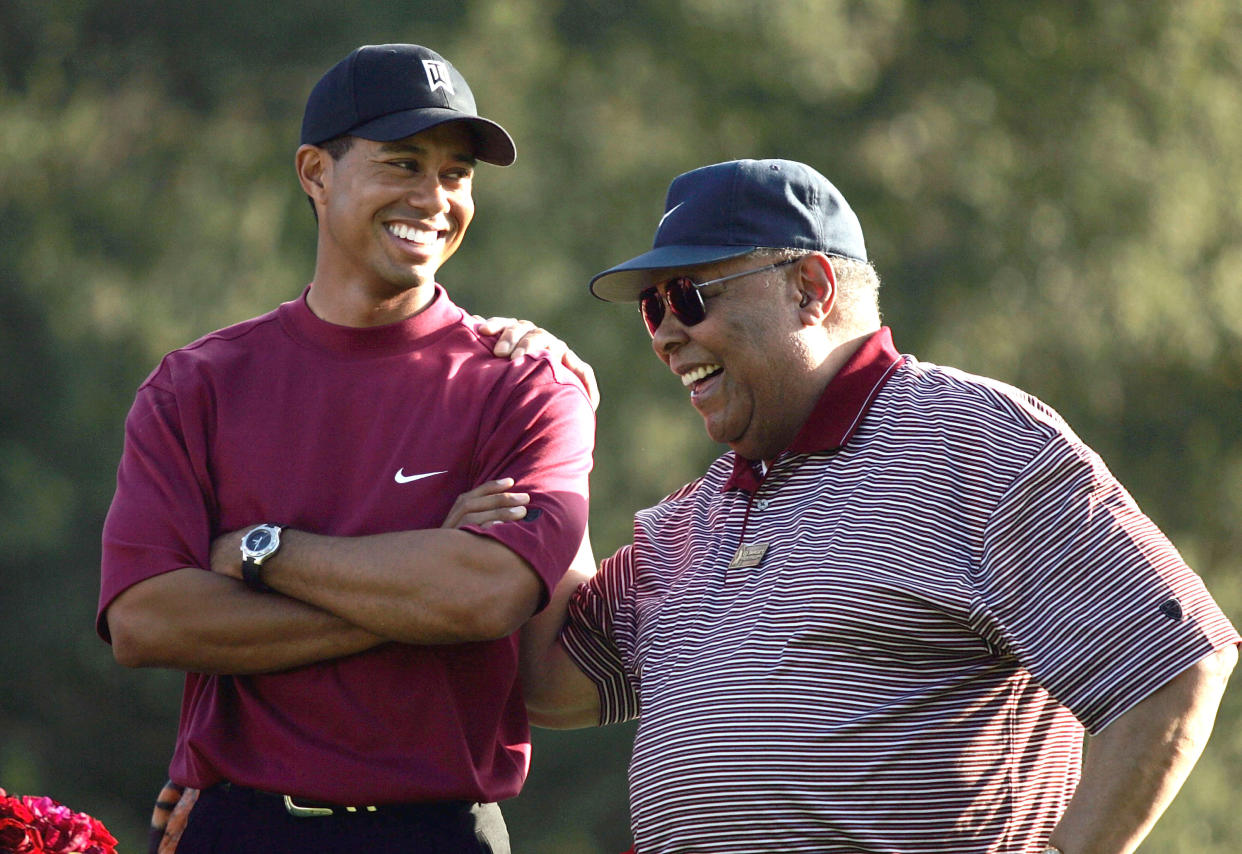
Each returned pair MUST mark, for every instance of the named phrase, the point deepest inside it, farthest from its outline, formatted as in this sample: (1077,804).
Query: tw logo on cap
(438,75)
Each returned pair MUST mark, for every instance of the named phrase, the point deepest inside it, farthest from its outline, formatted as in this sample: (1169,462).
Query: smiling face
(747,364)
(390,213)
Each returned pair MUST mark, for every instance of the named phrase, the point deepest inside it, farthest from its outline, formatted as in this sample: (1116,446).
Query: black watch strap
(251,574)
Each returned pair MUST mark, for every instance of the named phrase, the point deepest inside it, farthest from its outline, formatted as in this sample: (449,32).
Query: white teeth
(420,236)
(691,377)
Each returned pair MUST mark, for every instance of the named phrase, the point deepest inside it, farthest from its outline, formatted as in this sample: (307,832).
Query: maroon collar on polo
(840,408)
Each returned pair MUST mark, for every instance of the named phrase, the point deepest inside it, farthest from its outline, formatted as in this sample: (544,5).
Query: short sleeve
(543,438)
(160,518)
(1083,589)
(599,632)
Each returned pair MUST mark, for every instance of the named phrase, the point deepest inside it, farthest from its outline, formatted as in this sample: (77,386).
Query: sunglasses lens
(685,300)
(651,304)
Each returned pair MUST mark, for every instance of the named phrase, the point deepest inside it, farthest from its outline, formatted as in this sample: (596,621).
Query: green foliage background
(1049,189)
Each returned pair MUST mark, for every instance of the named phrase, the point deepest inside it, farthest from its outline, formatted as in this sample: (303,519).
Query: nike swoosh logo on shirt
(402,477)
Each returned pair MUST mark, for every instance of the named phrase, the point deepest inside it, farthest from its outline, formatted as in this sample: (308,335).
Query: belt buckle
(298,811)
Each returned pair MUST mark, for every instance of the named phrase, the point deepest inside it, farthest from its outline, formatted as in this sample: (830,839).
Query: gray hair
(857,306)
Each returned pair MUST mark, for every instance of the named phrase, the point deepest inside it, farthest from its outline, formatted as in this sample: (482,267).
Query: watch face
(258,539)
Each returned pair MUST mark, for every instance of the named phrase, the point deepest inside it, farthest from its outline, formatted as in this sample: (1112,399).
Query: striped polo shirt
(892,639)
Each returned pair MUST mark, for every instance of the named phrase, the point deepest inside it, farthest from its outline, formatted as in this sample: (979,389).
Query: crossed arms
(334,596)
(339,596)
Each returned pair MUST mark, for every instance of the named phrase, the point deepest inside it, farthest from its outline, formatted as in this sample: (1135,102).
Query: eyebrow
(400,147)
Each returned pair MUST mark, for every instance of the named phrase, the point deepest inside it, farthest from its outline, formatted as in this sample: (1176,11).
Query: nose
(668,336)
(429,195)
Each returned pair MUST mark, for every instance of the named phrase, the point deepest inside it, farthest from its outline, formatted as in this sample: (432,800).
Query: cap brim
(624,282)
(493,143)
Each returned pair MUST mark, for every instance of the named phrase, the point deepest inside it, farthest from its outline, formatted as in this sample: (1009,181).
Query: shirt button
(762,504)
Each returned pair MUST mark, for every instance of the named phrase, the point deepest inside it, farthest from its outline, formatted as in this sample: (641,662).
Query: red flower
(13,808)
(19,838)
(42,826)
(17,833)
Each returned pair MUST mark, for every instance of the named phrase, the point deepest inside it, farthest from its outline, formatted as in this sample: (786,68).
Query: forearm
(567,698)
(202,622)
(558,695)
(424,586)
(1133,769)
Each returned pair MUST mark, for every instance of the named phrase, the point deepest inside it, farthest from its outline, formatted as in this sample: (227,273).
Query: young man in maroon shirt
(286,527)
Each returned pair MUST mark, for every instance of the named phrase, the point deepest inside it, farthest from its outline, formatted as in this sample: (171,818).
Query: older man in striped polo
(882,621)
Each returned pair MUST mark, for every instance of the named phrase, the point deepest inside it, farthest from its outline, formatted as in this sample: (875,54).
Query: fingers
(168,797)
(537,340)
(511,331)
(177,822)
(487,504)
(491,325)
(520,337)
(486,519)
(584,372)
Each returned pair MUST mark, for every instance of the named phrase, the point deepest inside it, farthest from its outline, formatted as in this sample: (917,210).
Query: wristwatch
(1050,849)
(260,543)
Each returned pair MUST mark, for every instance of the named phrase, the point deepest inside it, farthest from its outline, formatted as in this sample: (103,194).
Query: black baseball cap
(729,209)
(390,91)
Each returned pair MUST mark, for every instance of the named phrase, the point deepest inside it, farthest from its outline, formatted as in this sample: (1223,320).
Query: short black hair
(338,146)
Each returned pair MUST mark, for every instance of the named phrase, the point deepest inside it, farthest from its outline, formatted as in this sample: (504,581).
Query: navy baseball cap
(729,209)
(390,91)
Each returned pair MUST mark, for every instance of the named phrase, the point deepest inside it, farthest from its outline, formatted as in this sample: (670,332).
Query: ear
(817,288)
(313,165)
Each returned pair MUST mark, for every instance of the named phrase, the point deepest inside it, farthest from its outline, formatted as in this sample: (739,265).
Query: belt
(303,808)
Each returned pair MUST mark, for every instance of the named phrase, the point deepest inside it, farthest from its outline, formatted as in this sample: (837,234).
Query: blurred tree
(1047,189)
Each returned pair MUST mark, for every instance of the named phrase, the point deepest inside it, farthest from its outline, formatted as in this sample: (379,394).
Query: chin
(412,278)
(719,428)
(745,446)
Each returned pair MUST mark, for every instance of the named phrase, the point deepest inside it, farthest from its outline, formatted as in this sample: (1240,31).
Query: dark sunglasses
(682,296)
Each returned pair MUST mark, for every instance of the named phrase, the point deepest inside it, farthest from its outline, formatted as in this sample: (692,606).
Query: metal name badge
(748,556)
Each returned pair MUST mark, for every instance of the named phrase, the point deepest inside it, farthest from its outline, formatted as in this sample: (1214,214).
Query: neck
(346,306)
(825,364)
(839,352)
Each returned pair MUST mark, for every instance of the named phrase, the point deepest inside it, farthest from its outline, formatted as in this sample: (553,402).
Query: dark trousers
(234,820)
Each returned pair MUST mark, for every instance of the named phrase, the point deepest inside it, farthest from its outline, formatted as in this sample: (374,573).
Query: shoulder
(524,374)
(975,431)
(213,351)
(951,397)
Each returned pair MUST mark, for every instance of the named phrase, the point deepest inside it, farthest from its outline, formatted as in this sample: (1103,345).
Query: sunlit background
(1050,190)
